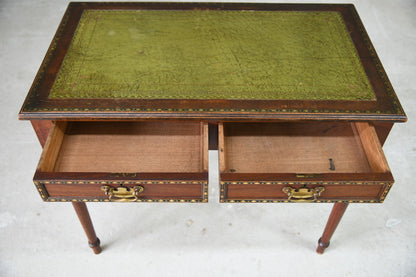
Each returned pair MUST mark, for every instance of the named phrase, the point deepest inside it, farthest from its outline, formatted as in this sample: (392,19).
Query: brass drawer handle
(123,194)
(303,194)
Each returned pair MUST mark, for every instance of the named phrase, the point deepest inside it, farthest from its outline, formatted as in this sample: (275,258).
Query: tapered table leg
(333,220)
(83,215)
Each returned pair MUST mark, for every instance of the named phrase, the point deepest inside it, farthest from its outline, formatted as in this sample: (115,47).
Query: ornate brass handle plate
(123,194)
(303,194)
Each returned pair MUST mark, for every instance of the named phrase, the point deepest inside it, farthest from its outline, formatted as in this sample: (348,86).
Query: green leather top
(187,54)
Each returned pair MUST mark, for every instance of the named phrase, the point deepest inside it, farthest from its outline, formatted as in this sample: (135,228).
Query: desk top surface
(211,61)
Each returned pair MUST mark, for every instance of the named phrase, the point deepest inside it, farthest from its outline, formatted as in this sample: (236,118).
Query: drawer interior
(128,147)
(300,147)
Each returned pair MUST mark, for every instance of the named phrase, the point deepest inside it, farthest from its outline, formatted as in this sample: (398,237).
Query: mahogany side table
(131,96)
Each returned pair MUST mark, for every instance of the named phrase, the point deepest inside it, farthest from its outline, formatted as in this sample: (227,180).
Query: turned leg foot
(84,217)
(334,218)
(321,246)
(95,246)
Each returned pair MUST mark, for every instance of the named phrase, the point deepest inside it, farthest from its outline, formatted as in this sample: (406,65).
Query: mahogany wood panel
(302,147)
(52,146)
(204,146)
(372,147)
(253,156)
(213,136)
(127,147)
(332,192)
(117,177)
(221,146)
(42,128)
(333,221)
(133,147)
(151,191)
(84,218)
(170,159)
(383,130)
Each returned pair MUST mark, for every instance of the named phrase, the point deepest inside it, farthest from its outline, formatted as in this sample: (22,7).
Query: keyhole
(331,164)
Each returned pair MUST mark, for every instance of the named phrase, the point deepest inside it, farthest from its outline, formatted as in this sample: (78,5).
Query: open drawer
(143,161)
(302,162)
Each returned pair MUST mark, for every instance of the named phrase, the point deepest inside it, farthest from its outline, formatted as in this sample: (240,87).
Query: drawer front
(110,191)
(322,192)
(142,161)
(302,162)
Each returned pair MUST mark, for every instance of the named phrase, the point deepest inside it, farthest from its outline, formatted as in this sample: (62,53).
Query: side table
(131,96)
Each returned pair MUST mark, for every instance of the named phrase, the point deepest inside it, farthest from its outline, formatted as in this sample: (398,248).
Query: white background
(46,239)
